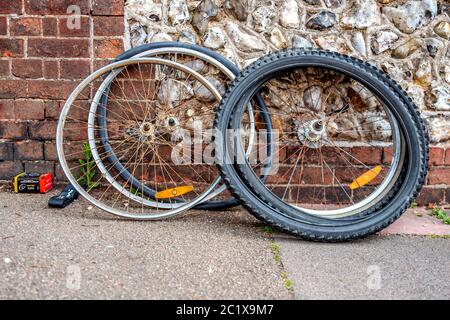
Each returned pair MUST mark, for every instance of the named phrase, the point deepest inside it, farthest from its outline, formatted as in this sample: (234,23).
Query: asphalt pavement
(378,267)
(81,252)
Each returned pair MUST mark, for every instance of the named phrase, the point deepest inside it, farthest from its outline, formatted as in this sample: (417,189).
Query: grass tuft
(88,170)
(441,215)
(266,228)
(438,236)
(276,251)
(288,283)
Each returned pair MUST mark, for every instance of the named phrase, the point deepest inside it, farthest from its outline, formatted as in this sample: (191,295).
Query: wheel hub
(312,134)
(171,122)
(147,129)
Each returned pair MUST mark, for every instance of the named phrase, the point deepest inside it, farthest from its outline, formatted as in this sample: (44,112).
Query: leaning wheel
(351,148)
(146,97)
(218,70)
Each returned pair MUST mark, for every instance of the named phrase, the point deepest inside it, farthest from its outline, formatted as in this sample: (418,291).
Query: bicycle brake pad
(66,197)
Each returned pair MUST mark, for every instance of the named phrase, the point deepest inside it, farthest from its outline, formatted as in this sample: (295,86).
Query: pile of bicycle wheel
(314,143)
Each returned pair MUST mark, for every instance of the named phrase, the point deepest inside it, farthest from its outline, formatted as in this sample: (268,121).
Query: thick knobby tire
(264,205)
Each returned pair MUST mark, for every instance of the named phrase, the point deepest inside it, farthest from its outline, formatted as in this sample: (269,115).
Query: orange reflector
(173,192)
(365,178)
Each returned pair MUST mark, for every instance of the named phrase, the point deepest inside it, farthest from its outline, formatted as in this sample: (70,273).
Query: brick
(6,150)
(436,156)
(50,152)
(347,174)
(27,68)
(447,195)
(21,26)
(21,109)
(13,130)
(42,130)
(75,69)
(51,69)
(12,89)
(99,63)
(28,150)
(9,169)
(309,175)
(49,27)
(75,132)
(278,175)
(429,196)
(55,7)
(367,155)
(66,29)
(80,112)
(3,26)
(59,174)
(52,109)
(335,195)
(439,176)
(4,68)
(312,175)
(11,48)
(108,26)
(387,155)
(73,151)
(108,7)
(447,157)
(10,6)
(29,110)
(281,154)
(40,167)
(63,48)
(50,89)
(315,195)
(108,48)
(315,156)
(6,109)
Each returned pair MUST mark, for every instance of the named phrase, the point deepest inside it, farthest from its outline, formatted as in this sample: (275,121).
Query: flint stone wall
(410,40)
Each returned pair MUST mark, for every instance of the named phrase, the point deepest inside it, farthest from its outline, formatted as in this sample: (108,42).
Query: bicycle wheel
(212,66)
(145,96)
(352,147)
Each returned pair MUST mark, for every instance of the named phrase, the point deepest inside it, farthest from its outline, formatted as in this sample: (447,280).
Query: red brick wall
(437,189)
(41,61)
